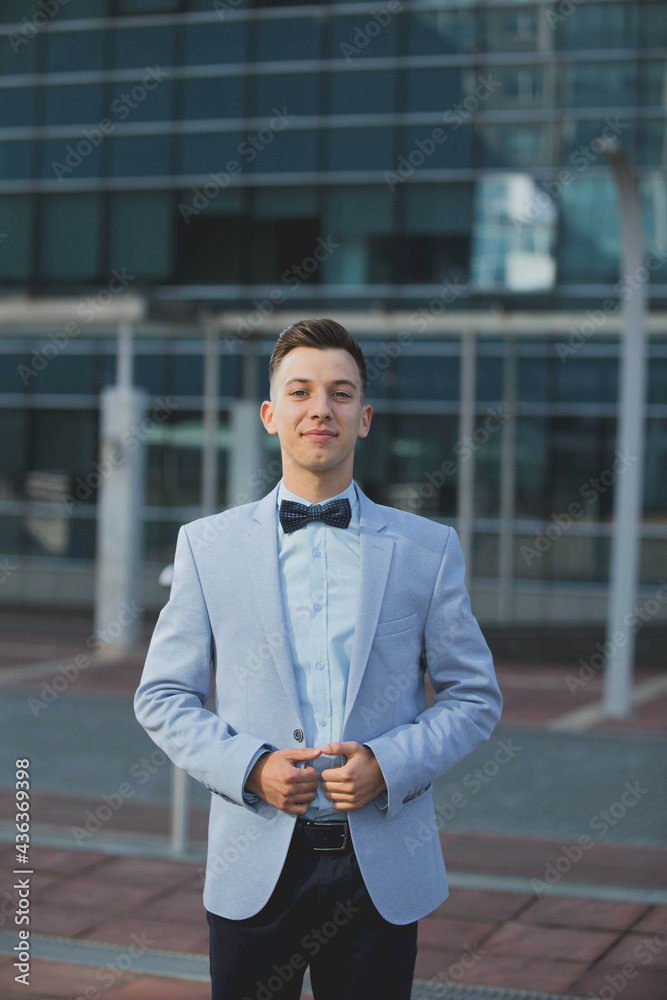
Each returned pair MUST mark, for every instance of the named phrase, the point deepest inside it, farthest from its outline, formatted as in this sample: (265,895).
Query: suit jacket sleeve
(176,683)
(467,704)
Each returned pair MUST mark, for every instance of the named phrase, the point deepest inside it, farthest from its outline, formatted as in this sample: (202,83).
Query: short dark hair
(323,334)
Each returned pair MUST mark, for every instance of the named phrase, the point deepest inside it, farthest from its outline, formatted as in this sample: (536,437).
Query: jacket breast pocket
(396,625)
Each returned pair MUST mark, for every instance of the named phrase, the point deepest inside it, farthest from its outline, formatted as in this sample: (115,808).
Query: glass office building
(432,168)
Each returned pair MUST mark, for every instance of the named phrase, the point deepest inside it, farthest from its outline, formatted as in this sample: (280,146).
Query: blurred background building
(430,174)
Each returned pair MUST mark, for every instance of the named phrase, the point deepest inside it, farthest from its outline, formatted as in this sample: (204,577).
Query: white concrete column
(507,486)
(120,516)
(209,501)
(466,480)
(245,480)
(629,459)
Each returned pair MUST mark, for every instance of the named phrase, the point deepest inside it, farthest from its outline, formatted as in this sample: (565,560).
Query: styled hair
(323,334)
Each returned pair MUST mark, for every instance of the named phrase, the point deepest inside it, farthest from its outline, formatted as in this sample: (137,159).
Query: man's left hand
(358,781)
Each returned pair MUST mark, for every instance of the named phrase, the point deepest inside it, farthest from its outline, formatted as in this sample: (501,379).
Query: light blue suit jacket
(414,613)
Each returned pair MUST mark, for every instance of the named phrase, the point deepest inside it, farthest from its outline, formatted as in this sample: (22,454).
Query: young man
(320,611)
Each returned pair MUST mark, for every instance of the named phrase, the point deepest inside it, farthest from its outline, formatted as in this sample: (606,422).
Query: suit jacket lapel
(375,559)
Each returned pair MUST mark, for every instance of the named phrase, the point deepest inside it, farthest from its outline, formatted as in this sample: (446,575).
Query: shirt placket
(319,657)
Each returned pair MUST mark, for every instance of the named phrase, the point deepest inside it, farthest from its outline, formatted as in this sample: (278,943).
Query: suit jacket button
(298,735)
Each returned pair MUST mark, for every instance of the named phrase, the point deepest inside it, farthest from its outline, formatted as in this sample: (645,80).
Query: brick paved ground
(558,943)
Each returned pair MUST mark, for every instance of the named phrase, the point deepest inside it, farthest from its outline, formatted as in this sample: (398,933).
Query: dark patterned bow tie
(295,515)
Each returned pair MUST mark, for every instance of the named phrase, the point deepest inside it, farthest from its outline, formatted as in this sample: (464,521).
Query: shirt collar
(285,494)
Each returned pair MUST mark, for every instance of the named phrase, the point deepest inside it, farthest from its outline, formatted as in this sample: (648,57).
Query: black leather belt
(325,836)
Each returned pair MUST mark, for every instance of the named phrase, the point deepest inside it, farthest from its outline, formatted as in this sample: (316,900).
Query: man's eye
(341,393)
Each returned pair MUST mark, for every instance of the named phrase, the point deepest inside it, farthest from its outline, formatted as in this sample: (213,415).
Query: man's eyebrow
(335,381)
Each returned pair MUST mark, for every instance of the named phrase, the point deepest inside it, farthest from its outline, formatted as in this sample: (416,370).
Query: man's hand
(358,781)
(276,780)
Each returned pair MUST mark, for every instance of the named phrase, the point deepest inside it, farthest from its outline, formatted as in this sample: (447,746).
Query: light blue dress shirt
(319,580)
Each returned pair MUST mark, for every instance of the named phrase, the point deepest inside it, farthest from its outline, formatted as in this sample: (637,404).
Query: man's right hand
(277,780)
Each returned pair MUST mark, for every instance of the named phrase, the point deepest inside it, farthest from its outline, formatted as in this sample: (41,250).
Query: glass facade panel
(15,160)
(366,92)
(655,482)
(143,46)
(425,148)
(72,104)
(215,43)
(135,102)
(74,51)
(362,35)
(442,32)
(291,94)
(601,26)
(140,156)
(598,85)
(17,107)
(512,87)
(72,220)
(16,214)
(355,217)
(560,461)
(218,97)
(14,435)
(400,454)
(434,89)
(507,252)
(292,38)
(588,248)
(523,145)
(215,151)
(575,559)
(442,208)
(360,149)
(17,55)
(268,151)
(70,159)
(426,378)
(173,474)
(142,233)
(516,29)
(147,6)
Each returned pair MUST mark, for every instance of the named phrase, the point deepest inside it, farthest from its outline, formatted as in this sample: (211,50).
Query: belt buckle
(345,838)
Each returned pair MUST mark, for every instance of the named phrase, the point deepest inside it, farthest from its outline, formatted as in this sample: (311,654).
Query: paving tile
(627,982)
(479,905)
(47,859)
(160,988)
(144,872)
(152,933)
(654,920)
(522,973)
(59,979)
(62,920)
(179,906)
(439,966)
(102,897)
(451,934)
(550,943)
(568,911)
(649,948)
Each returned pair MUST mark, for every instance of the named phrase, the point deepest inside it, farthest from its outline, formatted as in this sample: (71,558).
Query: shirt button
(317,607)
(316,552)
(323,722)
(320,665)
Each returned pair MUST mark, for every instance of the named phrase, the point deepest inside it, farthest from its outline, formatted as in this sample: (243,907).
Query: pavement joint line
(588,715)
(196,967)
(149,847)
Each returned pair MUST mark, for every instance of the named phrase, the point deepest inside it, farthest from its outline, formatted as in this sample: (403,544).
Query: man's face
(317,390)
